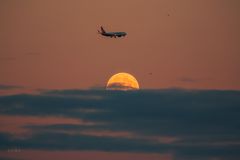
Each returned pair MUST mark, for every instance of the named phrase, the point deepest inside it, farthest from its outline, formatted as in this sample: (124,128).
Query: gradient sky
(186,44)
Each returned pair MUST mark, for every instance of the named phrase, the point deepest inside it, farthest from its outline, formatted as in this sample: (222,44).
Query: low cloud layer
(9,87)
(187,124)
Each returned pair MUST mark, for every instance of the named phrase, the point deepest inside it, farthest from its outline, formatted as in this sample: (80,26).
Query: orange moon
(122,81)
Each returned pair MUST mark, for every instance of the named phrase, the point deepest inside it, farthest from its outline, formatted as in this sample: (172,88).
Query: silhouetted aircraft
(111,34)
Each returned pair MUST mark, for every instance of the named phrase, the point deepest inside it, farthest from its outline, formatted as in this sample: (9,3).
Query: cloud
(119,86)
(8,158)
(199,124)
(9,87)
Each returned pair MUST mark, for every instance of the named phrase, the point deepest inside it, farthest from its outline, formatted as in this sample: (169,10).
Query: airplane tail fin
(103,31)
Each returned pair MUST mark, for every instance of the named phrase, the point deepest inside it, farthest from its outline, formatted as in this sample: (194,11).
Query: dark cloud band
(204,123)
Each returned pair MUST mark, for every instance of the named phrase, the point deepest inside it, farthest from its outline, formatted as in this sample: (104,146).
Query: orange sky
(54,44)
(75,155)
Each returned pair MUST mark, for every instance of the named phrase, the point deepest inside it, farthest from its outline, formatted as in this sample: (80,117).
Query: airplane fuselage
(112,34)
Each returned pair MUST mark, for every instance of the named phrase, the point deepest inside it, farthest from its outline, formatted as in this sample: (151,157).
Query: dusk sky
(186,44)
(54,67)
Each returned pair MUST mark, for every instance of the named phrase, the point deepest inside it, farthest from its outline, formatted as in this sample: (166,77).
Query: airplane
(112,34)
